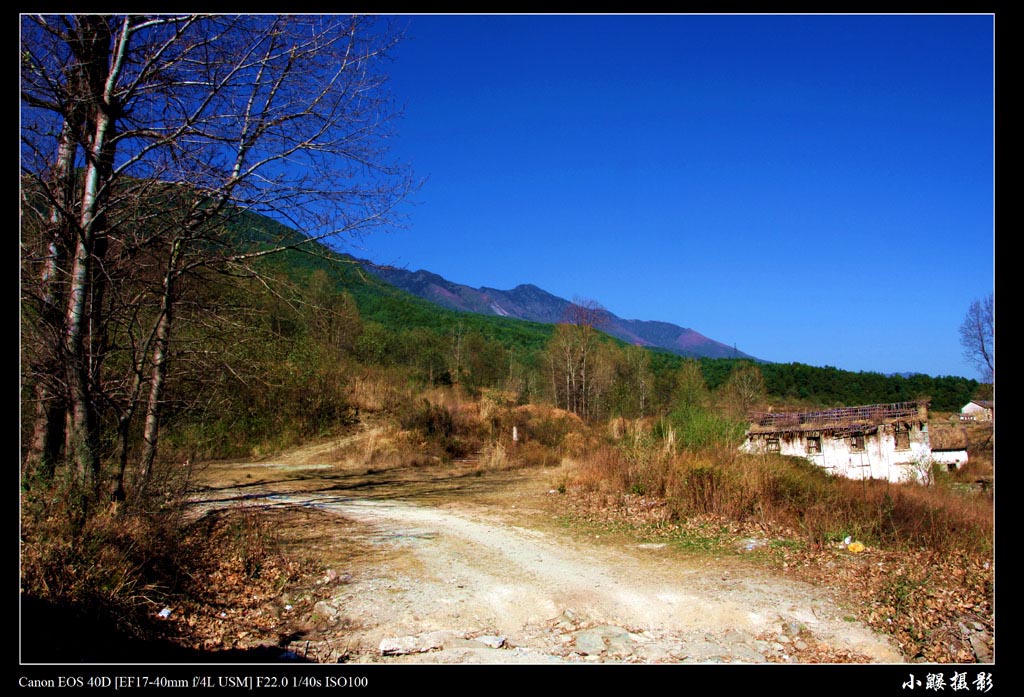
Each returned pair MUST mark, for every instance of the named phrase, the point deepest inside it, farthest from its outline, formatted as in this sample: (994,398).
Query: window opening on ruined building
(902,438)
(814,445)
(857,443)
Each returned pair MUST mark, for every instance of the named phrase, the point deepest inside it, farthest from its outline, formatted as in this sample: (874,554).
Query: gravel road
(450,575)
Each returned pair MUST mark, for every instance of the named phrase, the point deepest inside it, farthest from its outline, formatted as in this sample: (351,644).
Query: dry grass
(784,493)
(980,444)
(495,457)
(603,470)
(450,428)
(938,606)
(375,389)
(533,454)
(390,448)
(105,583)
(791,493)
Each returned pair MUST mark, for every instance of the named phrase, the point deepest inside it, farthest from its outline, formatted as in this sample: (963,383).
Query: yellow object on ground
(855,547)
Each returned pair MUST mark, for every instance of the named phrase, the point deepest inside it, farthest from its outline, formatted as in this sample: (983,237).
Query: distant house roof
(982,403)
(842,419)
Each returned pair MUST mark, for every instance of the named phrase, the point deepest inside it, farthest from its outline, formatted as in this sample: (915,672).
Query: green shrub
(700,428)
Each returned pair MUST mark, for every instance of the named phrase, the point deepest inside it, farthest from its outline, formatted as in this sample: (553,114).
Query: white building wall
(879,460)
(957,458)
(977,411)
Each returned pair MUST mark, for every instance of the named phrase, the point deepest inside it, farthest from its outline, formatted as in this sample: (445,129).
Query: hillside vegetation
(311,346)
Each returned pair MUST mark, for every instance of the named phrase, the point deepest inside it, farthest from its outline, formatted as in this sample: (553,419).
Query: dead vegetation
(258,574)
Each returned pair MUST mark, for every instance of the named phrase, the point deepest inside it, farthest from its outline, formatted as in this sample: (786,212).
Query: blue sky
(809,188)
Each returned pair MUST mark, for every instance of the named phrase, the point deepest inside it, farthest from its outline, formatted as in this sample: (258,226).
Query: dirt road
(447,564)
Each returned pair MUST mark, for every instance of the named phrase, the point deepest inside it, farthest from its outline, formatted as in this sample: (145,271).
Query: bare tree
(571,354)
(145,139)
(744,389)
(977,337)
(457,353)
(53,201)
(638,376)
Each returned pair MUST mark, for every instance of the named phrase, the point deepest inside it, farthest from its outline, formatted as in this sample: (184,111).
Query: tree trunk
(124,425)
(48,433)
(93,50)
(159,372)
(79,445)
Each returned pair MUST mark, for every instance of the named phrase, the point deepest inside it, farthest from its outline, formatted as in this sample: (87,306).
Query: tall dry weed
(605,469)
(495,457)
(376,389)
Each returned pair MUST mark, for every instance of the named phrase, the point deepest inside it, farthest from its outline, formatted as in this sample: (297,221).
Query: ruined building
(877,441)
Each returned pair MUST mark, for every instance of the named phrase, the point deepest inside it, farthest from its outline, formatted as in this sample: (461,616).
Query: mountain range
(535,304)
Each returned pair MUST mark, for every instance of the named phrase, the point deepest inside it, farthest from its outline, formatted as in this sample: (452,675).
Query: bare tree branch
(145,138)
(977,337)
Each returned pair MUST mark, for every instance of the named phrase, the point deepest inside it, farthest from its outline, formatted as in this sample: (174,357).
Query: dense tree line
(834,387)
(813,386)
(647,387)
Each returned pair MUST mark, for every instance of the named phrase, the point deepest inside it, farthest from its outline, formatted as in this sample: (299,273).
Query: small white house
(978,410)
(949,445)
(878,441)
(952,459)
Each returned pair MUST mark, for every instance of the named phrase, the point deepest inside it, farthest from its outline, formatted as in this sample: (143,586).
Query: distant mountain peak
(530,302)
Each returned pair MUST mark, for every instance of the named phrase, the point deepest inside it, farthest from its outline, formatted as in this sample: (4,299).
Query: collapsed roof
(843,419)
